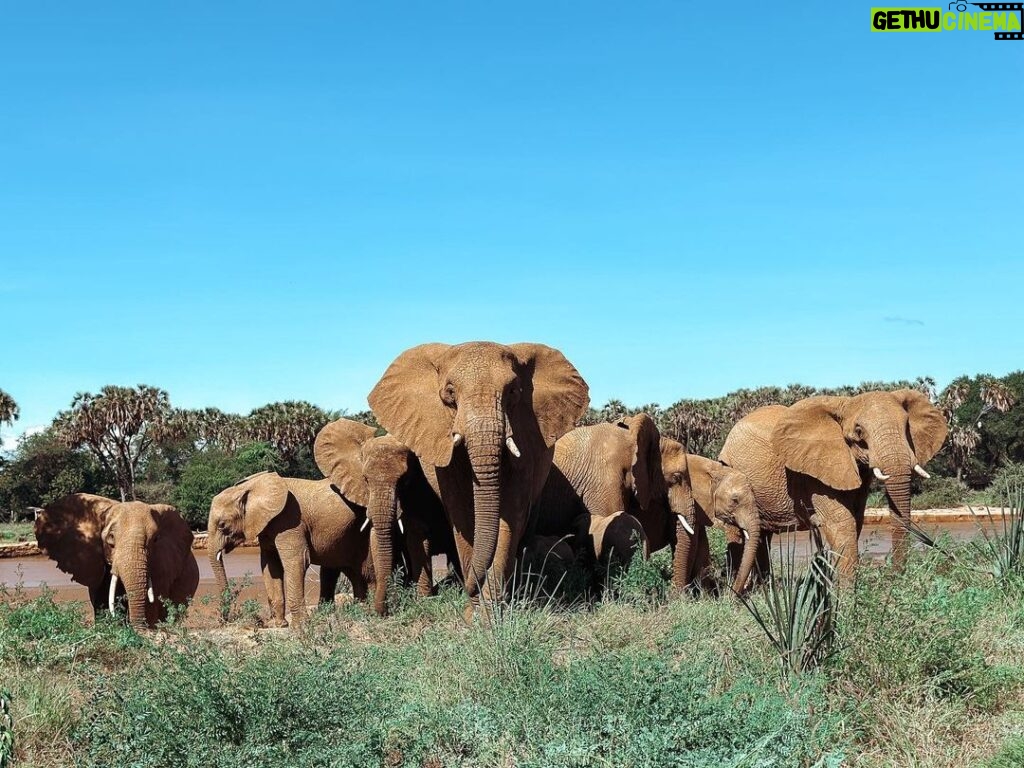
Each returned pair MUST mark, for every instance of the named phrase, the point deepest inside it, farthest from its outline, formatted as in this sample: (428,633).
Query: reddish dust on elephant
(142,552)
(812,464)
(483,419)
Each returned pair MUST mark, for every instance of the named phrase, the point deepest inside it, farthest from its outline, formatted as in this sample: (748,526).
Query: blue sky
(248,202)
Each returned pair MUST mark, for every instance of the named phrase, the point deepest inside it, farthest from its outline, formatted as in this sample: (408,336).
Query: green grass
(15,532)
(926,668)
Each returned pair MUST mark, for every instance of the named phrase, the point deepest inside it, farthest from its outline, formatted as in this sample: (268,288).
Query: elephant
(545,561)
(120,548)
(812,463)
(723,496)
(385,477)
(625,467)
(483,419)
(296,522)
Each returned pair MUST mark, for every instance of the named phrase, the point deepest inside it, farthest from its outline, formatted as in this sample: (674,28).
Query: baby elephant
(296,522)
(116,548)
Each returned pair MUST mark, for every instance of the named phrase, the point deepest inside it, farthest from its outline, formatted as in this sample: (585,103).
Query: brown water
(34,574)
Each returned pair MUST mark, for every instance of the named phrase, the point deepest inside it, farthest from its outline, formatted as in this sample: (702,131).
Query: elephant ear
(645,473)
(173,526)
(263,499)
(554,387)
(338,453)
(70,531)
(928,428)
(809,438)
(407,403)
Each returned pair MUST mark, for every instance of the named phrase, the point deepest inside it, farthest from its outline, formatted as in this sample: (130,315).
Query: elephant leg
(273,581)
(420,566)
(328,584)
(360,586)
(840,530)
(295,567)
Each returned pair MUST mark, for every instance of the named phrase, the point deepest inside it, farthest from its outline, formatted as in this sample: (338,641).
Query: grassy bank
(928,670)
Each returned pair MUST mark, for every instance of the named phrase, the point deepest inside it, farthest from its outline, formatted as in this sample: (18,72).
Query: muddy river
(35,572)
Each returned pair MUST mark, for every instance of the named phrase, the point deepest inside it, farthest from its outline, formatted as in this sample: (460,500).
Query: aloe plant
(1001,545)
(797,610)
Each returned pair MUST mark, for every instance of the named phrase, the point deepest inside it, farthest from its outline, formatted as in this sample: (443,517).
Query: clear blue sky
(247,202)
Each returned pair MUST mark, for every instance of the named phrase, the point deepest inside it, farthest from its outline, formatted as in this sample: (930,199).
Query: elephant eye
(858,431)
(514,392)
(448,394)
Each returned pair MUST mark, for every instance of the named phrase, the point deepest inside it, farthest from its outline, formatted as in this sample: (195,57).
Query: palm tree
(9,411)
(288,426)
(120,426)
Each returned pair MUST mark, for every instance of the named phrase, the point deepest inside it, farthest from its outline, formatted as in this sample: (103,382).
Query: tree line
(130,442)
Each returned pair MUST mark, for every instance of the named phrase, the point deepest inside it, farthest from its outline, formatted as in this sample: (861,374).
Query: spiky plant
(1001,545)
(796,610)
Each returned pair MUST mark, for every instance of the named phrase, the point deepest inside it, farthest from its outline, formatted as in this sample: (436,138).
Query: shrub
(940,493)
(1007,484)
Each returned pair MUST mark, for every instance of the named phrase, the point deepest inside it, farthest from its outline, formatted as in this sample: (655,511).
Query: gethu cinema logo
(1004,19)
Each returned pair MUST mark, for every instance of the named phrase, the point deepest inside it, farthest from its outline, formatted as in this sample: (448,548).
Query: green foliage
(1010,755)
(209,472)
(644,583)
(43,470)
(1001,544)
(1007,484)
(797,610)
(940,493)
(45,633)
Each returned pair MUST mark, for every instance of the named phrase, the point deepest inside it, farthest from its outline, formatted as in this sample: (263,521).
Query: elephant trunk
(132,569)
(895,459)
(485,441)
(681,557)
(684,513)
(215,550)
(752,531)
(897,490)
(383,512)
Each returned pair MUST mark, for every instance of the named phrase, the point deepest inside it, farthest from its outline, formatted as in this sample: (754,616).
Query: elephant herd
(479,460)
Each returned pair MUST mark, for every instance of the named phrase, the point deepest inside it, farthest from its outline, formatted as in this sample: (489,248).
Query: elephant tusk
(879,473)
(746,535)
(920,471)
(220,555)
(401,528)
(456,438)
(113,592)
(149,591)
(512,448)
(365,525)
(686,524)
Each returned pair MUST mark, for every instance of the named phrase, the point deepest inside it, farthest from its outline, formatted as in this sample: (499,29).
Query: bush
(1007,484)
(210,471)
(940,493)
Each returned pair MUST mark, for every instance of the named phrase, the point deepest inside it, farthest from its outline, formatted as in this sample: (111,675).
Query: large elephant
(385,477)
(119,548)
(626,467)
(723,496)
(813,462)
(483,419)
(296,522)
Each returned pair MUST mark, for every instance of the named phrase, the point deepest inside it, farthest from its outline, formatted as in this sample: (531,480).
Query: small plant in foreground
(1002,546)
(797,611)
